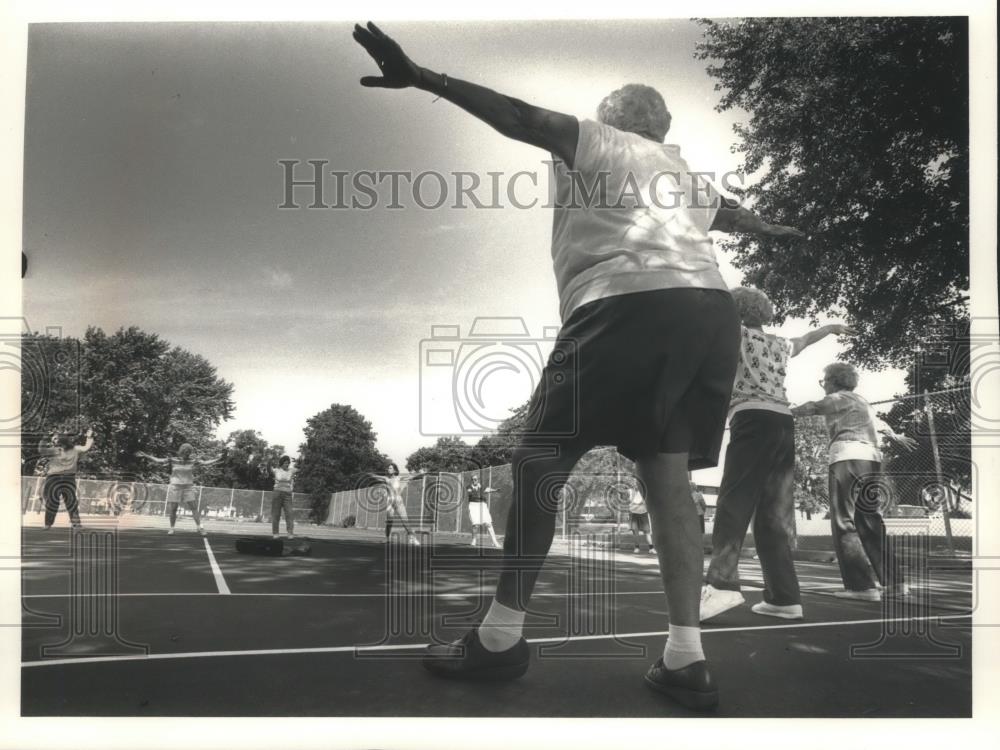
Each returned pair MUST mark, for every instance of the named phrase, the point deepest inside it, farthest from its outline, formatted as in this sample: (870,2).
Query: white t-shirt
(282,480)
(645,228)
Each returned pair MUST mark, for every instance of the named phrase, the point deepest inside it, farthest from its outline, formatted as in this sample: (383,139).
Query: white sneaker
(276,536)
(716,601)
(635,551)
(170,533)
(784,611)
(414,541)
(868,595)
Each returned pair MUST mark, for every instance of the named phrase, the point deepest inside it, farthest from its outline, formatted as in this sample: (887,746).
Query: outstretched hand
(906,443)
(839,329)
(398,70)
(780,230)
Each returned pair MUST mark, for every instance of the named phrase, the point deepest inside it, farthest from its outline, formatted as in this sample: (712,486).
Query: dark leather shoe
(691,686)
(468,659)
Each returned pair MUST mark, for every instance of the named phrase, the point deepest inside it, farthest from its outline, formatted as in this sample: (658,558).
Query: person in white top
(181,490)
(391,484)
(638,519)
(859,537)
(645,359)
(758,479)
(281,498)
(479,511)
(62,456)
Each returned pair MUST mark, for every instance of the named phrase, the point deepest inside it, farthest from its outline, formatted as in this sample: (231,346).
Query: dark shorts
(639,522)
(649,372)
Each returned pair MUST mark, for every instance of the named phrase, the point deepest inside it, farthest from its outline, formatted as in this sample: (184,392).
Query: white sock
(501,628)
(683,647)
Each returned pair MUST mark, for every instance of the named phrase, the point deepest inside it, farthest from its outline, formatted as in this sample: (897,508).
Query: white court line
(366,595)
(216,570)
(414,646)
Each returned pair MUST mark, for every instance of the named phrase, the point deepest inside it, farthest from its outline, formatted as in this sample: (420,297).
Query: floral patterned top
(760,378)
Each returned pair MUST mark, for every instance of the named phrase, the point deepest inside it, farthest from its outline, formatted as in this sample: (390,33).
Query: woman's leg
(172,507)
(50,494)
(289,516)
(72,502)
(774,521)
(493,536)
(742,479)
(855,569)
(277,499)
(869,523)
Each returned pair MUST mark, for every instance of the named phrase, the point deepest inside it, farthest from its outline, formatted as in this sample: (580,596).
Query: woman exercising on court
(181,488)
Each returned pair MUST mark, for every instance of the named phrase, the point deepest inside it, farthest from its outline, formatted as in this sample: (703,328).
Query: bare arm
(904,442)
(731,217)
(154,459)
(88,443)
(209,461)
(811,337)
(555,132)
(808,409)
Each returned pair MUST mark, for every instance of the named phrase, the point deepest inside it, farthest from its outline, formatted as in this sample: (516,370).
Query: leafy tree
(447,454)
(135,391)
(248,462)
(339,449)
(811,464)
(858,128)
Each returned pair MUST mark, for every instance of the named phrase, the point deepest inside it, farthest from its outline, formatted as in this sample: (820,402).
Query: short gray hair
(636,108)
(842,376)
(753,306)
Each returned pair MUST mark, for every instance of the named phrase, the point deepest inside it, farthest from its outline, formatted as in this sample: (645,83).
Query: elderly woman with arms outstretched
(759,473)
(645,358)
(859,537)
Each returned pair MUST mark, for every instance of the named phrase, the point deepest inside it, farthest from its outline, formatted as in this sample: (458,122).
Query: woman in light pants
(281,498)
(859,537)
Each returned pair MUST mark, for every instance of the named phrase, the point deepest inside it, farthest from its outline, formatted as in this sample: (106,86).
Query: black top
(475,494)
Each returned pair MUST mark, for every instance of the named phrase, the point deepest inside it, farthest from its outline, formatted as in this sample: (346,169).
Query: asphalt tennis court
(132,622)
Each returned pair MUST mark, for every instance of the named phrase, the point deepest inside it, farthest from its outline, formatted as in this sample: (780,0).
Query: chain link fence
(931,485)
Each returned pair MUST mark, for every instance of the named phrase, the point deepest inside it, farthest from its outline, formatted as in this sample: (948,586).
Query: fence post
(261,514)
(458,505)
(232,494)
(940,474)
(423,501)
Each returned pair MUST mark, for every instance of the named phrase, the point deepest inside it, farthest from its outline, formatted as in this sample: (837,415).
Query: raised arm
(88,443)
(209,461)
(904,442)
(811,337)
(154,459)
(555,132)
(731,217)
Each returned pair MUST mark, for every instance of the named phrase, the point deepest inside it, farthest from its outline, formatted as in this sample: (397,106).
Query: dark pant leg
(742,479)
(60,488)
(774,521)
(277,499)
(855,568)
(869,523)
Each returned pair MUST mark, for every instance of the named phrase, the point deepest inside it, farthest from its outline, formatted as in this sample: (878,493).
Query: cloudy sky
(153,185)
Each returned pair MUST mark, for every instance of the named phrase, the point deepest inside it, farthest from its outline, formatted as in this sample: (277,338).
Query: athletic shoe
(276,536)
(635,551)
(716,601)
(692,686)
(201,530)
(47,528)
(897,591)
(414,541)
(468,659)
(867,595)
(652,551)
(784,611)
(170,533)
